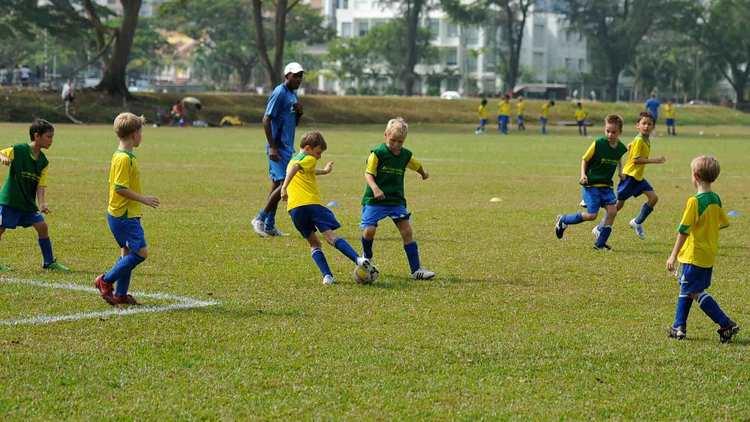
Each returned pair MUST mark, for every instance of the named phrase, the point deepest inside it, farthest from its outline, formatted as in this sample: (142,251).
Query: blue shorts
(503,120)
(277,169)
(597,197)
(631,187)
(308,218)
(11,217)
(543,120)
(482,122)
(371,214)
(670,122)
(127,232)
(581,123)
(519,119)
(694,279)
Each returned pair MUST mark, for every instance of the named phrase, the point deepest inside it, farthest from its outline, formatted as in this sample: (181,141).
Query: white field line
(181,302)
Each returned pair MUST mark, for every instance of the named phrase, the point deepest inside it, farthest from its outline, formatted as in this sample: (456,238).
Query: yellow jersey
(503,109)
(303,188)
(42,183)
(545,110)
(123,174)
(701,221)
(482,112)
(580,114)
(639,148)
(669,111)
(520,107)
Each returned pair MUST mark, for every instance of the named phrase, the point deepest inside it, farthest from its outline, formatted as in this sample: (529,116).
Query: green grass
(517,324)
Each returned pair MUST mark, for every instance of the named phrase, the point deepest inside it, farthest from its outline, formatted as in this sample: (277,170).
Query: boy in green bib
(25,187)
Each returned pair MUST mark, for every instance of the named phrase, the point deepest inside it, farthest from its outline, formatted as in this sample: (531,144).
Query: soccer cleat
(638,228)
(559,227)
(595,232)
(259,227)
(679,332)
(105,289)
(726,333)
(328,280)
(603,248)
(422,274)
(124,300)
(56,266)
(582,204)
(273,231)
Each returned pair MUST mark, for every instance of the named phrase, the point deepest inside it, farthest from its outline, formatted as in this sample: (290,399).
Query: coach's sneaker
(273,231)
(124,300)
(677,332)
(105,289)
(726,333)
(328,280)
(259,227)
(56,266)
(638,228)
(422,274)
(595,231)
(560,227)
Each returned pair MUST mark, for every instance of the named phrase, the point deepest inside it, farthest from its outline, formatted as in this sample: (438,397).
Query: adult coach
(283,112)
(652,105)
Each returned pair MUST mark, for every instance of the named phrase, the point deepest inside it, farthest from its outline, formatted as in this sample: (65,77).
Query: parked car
(450,95)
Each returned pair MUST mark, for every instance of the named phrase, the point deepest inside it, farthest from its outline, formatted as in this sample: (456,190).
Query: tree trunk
(413,11)
(612,82)
(114,80)
(275,67)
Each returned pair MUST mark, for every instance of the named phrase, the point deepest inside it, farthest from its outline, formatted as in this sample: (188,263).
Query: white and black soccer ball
(364,275)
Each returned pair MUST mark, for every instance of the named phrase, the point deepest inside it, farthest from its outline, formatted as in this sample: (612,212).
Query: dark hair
(484,101)
(552,102)
(645,114)
(41,127)
(313,139)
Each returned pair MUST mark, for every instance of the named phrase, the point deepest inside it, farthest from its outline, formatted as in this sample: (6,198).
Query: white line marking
(182,302)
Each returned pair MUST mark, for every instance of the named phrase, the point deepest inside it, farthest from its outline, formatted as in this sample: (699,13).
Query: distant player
(695,248)
(634,183)
(580,116)
(544,115)
(384,194)
(503,114)
(300,190)
(652,106)
(283,112)
(669,114)
(26,186)
(483,114)
(124,212)
(598,165)
(520,108)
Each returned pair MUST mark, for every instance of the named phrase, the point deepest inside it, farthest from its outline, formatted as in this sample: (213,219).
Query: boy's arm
(671,261)
(620,174)
(151,201)
(415,165)
(326,170)
(289,175)
(6,156)
(40,199)
(376,192)
(660,160)
(584,179)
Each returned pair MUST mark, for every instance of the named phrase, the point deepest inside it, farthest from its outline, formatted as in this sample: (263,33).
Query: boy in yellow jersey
(124,212)
(25,187)
(669,115)
(503,114)
(695,248)
(300,190)
(544,115)
(482,113)
(580,115)
(520,108)
(634,183)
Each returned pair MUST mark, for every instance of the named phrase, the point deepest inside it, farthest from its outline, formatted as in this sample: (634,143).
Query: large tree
(614,30)
(281,8)
(505,20)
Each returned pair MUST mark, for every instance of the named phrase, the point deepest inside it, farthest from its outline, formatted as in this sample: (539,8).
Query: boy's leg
(318,256)
(3,267)
(368,238)
(45,245)
(124,266)
(606,230)
(646,209)
(123,283)
(341,244)
(712,309)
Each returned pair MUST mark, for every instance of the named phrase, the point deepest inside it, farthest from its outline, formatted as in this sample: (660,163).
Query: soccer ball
(364,275)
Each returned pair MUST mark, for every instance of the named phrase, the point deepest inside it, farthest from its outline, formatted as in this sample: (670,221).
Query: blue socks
(367,247)
(412,254)
(645,211)
(345,248)
(684,302)
(604,233)
(46,246)
(712,309)
(569,219)
(320,261)
(122,269)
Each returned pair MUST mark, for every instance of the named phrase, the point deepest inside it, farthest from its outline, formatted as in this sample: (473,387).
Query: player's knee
(588,216)
(143,253)
(42,229)
(653,200)
(369,232)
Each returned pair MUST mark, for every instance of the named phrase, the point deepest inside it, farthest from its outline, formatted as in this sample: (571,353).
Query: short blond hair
(705,168)
(396,128)
(614,119)
(127,124)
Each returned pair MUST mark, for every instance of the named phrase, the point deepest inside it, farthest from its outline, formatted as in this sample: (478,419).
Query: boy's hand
(43,208)
(378,194)
(284,195)
(328,167)
(273,154)
(583,180)
(622,176)
(661,160)
(4,160)
(671,264)
(151,201)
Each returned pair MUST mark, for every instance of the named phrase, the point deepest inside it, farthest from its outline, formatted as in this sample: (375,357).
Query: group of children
(698,233)
(504,113)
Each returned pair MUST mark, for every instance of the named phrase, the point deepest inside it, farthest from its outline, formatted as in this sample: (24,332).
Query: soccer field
(517,324)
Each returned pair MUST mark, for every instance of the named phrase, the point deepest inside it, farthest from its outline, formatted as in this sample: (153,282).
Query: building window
(342,4)
(434,26)
(451,57)
(363,27)
(569,64)
(538,34)
(472,35)
(471,62)
(451,30)
(346,29)
(451,84)
(581,65)
(538,62)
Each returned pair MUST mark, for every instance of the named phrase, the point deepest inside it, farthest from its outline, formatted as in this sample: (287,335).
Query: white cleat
(328,280)
(638,228)
(422,274)
(274,232)
(259,227)
(595,231)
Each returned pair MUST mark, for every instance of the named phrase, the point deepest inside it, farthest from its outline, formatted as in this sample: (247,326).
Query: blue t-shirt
(283,117)
(652,105)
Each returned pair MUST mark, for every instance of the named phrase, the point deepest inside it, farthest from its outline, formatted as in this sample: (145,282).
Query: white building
(550,53)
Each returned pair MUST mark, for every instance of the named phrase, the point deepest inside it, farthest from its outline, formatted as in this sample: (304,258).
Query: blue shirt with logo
(283,118)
